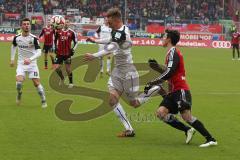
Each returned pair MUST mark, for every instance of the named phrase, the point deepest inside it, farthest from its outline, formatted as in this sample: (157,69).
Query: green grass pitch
(30,132)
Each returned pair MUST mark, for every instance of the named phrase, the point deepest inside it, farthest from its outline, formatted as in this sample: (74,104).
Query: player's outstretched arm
(155,66)
(173,62)
(90,57)
(108,49)
(99,41)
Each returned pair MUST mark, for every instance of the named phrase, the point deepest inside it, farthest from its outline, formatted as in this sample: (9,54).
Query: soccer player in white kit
(124,77)
(103,32)
(28,52)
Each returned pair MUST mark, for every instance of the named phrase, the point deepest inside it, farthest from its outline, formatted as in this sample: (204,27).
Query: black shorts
(47,49)
(177,101)
(235,46)
(60,59)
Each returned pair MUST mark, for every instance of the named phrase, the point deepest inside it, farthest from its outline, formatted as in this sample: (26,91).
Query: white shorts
(31,70)
(128,85)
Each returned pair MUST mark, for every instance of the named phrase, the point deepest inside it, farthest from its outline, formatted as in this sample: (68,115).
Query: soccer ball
(57,21)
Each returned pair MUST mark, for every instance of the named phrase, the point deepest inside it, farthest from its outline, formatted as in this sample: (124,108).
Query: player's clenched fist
(27,61)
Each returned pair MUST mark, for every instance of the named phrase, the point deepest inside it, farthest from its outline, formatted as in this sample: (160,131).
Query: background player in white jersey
(28,52)
(124,77)
(103,32)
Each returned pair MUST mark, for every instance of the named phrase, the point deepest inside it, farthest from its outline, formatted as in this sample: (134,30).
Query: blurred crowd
(153,9)
(182,11)
(18,6)
(88,8)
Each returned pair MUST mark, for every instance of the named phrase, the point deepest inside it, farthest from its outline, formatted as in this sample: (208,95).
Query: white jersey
(121,51)
(123,56)
(27,47)
(104,32)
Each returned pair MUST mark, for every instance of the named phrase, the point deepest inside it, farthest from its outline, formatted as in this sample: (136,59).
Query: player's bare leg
(19,84)
(119,111)
(70,75)
(40,90)
(198,125)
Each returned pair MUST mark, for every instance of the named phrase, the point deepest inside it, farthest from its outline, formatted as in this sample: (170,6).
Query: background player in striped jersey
(64,50)
(104,32)
(235,44)
(28,52)
(48,34)
(179,97)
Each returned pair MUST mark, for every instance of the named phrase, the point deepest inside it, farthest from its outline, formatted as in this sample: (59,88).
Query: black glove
(153,64)
(72,52)
(147,87)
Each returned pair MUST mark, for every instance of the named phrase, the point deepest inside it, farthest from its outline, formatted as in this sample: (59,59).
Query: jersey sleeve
(14,42)
(41,34)
(74,38)
(173,62)
(98,30)
(36,43)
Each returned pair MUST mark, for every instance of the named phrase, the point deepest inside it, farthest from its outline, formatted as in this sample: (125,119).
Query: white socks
(108,65)
(143,97)
(41,92)
(122,116)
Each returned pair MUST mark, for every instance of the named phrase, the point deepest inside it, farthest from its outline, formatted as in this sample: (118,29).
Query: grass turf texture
(30,132)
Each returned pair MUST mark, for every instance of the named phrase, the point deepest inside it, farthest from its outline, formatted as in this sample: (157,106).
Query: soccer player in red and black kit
(179,97)
(64,50)
(235,43)
(48,34)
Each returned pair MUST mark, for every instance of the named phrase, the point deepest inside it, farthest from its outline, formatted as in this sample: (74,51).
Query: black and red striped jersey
(48,34)
(63,41)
